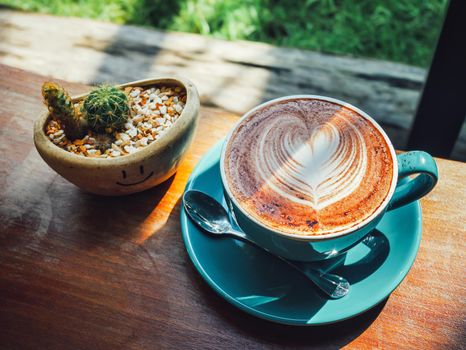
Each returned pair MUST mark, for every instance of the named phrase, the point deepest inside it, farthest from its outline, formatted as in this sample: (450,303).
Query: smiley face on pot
(130,179)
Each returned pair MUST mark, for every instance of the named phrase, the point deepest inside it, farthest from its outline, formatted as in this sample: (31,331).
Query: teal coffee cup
(414,175)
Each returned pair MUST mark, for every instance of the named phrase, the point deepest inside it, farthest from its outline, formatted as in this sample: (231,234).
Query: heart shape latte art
(317,166)
(308,166)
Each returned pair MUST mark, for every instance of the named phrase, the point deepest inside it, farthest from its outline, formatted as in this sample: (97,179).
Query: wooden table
(80,271)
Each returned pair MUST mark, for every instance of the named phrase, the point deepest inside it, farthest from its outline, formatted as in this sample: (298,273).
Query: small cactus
(106,107)
(59,103)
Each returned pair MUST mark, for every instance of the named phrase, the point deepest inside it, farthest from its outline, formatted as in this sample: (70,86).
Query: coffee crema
(308,166)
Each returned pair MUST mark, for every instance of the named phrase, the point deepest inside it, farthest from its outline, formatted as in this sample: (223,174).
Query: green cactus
(59,103)
(106,107)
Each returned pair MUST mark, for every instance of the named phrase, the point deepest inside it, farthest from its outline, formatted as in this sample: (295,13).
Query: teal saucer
(267,288)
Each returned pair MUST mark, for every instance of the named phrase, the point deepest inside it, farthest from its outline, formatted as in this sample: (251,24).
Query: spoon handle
(242,237)
(332,285)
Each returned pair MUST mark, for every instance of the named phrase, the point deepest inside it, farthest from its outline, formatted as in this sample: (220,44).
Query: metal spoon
(210,215)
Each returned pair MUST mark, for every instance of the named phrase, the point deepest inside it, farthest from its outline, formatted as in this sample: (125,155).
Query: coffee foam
(308,166)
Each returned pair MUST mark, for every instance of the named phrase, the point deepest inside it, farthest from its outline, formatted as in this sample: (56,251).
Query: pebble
(59,138)
(124,137)
(132,132)
(138,118)
(141,142)
(149,121)
(130,149)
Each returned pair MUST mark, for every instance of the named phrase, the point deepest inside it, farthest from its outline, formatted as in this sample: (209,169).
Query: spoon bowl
(206,212)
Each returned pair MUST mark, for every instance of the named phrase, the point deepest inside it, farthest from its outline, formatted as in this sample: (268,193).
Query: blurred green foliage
(397,30)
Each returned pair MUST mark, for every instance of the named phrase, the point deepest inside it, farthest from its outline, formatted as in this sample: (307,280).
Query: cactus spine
(106,107)
(59,103)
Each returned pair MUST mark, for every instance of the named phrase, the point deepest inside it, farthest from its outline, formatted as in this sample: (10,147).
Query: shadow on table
(457,341)
(126,58)
(334,335)
(82,280)
(102,220)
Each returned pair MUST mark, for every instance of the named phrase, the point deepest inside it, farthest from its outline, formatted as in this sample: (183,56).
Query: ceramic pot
(134,172)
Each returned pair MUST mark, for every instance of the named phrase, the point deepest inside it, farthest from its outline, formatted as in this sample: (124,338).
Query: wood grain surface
(79,271)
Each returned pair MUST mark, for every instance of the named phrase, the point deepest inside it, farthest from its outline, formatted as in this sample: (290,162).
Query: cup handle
(409,190)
